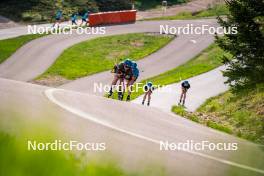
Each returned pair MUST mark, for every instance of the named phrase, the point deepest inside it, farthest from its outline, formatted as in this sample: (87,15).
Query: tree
(246,68)
(83,5)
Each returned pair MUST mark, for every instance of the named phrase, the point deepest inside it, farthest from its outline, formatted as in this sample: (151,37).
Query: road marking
(193,41)
(49,94)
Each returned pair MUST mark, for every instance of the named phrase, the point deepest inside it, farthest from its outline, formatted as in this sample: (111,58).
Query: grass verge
(9,46)
(17,159)
(217,10)
(101,54)
(207,60)
(240,114)
(44,127)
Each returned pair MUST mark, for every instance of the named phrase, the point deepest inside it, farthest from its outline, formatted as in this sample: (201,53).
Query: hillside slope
(240,114)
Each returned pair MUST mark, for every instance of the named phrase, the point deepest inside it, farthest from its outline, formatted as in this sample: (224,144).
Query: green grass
(9,46)
(207,60)
(17,126)
(196,117)
(242,111)
(239,113)
(101,54)
(17,160)
(179,110)
(219,127)
(217,10)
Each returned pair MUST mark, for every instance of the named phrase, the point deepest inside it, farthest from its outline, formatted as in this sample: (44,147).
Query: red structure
(117,17)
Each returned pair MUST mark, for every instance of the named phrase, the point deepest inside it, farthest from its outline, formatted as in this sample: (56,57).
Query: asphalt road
(203,86)
(132,132)
(35,57)
(133,136)
(18,30)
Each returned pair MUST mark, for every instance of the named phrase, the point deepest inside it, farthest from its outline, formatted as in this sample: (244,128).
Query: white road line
(193,41)
(49,94)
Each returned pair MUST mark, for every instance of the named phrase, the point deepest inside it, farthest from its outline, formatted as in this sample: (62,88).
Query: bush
(43,10)
(31,16)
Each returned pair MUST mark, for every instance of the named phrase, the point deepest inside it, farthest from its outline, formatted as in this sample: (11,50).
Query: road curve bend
(203,87)
(37,56)
(137,136)
(133,126)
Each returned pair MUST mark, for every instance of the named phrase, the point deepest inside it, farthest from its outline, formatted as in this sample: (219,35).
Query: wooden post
(133,4)
(164,7)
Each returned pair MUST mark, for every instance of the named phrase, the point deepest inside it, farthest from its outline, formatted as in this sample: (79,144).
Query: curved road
(35,57)
(132,139)
(203,87)
(136,137)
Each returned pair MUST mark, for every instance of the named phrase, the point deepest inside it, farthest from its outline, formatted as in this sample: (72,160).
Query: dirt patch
(137,43)
(51,81)
(116,54)
(260,110)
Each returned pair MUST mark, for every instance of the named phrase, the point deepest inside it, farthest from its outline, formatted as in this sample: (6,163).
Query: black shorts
(147,88)
(184,89)
(135,78)
(128,77)
(121,76)
(131,78)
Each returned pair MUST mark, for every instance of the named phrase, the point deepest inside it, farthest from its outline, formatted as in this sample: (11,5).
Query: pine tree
(246,68)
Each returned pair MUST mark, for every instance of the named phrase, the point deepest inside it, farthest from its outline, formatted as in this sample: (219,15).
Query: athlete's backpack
(186,84)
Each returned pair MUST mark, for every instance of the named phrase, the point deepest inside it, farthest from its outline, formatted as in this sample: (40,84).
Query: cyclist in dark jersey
(74,18)
(128,76)
(134,73)
(58,18)
(148,88)
(185,86)
(122,71)
(85,18)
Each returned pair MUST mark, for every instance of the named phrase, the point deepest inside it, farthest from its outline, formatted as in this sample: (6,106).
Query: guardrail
(116,17)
